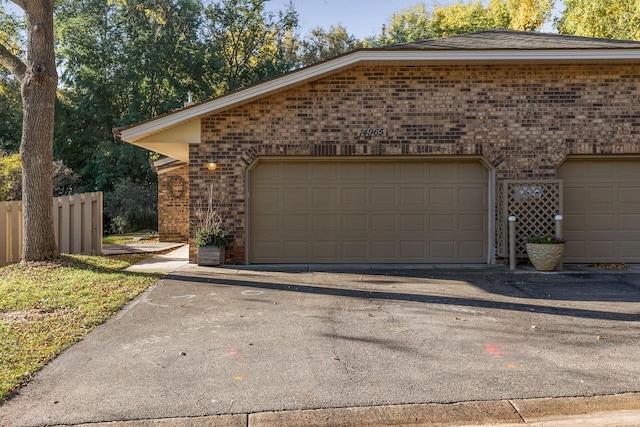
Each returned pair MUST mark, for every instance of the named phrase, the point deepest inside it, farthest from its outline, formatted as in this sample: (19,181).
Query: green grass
(47,306)
(123,239)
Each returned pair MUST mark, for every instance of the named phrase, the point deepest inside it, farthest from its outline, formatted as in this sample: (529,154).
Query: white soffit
(162,124)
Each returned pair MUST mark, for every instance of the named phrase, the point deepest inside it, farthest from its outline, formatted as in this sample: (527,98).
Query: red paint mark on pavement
(233,352)
(493,349)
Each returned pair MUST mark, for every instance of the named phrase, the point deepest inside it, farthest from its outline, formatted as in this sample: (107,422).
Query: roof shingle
(511,39)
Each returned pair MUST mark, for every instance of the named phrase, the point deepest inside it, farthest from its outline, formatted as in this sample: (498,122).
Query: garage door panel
(629,223)
(294,195)
(472,223)
(413,250)
(442,197)
(412,223)
(602,196)
(355,250)
(471,195)
(412,196)
(383,250)
(354,196)
(325,223)
(294,171)
(325,250)
(372,211)
(291,223)
(442,251)
(382,223)
(383,196)
(296,250)
(324,172)
(601,210)
(629,196)
(440,223)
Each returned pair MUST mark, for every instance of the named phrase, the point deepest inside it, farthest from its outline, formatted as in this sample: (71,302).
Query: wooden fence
(77,224)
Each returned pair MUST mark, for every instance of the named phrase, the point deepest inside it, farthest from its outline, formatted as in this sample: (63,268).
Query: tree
(420,23)
(124,62)
(408,25)
(246,44)
(323,44)
(617,19)
(38,81)
(10,113)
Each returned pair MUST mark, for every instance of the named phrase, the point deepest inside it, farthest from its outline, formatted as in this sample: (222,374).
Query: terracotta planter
(545,257)
(210,255)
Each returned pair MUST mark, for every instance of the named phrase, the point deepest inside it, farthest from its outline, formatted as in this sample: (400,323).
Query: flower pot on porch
(210,255)
(544,256)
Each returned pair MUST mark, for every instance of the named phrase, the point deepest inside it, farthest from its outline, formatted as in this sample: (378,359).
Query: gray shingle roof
(510,39)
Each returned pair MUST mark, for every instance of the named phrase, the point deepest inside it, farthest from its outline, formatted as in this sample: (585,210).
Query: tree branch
(12,63)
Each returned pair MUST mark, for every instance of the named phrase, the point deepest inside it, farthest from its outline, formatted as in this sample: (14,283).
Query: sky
(362,18)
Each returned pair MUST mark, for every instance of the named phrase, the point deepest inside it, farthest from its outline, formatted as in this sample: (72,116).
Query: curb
(614,410)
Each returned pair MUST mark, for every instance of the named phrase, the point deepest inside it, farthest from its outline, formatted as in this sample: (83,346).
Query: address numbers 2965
(372,132)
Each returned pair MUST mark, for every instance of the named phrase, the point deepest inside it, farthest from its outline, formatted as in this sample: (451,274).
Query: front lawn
(47,306)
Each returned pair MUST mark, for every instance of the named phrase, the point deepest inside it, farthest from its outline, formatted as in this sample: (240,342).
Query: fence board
(77,226)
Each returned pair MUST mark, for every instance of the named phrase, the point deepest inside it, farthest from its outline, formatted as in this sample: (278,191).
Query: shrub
(131,206)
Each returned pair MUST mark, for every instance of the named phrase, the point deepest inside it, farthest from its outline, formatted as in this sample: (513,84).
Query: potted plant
(545,251)
(211,238)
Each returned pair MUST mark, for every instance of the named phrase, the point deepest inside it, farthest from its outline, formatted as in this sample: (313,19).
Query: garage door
(601,210)
(368,212)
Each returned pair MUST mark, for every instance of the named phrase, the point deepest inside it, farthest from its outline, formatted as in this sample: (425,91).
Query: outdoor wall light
(212,165)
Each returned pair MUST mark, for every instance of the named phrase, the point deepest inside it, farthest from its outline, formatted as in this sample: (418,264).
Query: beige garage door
(368,211)
(601,210)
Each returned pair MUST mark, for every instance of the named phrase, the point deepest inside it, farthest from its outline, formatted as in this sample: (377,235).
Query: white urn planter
(545,256)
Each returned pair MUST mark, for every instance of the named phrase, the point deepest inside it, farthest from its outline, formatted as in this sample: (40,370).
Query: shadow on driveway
(509,289)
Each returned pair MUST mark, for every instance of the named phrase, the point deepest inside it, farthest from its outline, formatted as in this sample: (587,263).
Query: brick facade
(173,205)
(524,120)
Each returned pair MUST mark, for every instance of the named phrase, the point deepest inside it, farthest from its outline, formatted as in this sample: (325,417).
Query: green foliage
(246,44)
(10,178)
(323,44)
(212,237)
(10,113)
(420,23)
(547,239)
(131,206)
(47,306)
(614,19)
(65,181)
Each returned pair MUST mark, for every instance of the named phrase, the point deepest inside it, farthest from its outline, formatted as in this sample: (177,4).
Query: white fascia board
(314,72)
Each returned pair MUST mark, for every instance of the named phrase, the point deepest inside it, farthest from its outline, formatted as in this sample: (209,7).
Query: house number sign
(372,132)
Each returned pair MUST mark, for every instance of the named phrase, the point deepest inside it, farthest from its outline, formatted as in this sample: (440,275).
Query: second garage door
(368,212)
(601,210)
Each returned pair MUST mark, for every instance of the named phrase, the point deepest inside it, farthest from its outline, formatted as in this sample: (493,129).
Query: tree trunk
(38,95)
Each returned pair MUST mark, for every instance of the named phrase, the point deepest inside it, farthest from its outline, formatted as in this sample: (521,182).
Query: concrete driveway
(210,341)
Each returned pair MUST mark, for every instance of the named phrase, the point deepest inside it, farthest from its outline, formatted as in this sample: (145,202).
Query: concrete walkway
(369,346)
(164,263)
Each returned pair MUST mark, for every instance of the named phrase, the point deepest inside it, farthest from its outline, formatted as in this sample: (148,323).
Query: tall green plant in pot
(211,238)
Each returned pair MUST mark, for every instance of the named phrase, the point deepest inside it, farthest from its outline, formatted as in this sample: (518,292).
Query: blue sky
(362,18)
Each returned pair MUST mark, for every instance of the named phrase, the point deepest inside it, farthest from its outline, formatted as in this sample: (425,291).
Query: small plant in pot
(545,251)
(211,238)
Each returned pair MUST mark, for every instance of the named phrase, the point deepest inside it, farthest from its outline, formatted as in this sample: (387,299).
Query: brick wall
(173,205)
(523,119)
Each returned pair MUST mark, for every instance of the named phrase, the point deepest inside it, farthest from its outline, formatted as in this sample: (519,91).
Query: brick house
(416,153)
